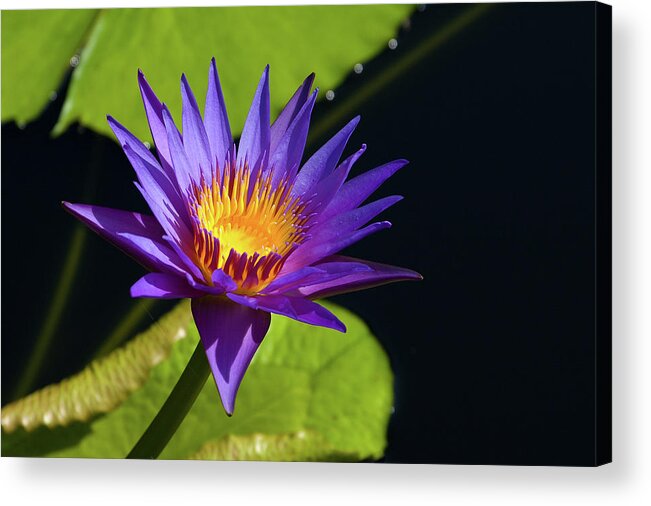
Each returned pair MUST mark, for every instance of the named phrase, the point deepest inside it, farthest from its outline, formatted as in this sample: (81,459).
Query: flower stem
(175,408)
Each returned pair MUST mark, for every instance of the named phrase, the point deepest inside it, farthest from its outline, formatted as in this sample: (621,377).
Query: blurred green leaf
(310,393)
(295,41)
(36,50)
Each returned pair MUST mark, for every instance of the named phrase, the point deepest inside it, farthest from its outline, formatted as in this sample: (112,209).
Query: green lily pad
(301,446)
(295,41)
(310,394)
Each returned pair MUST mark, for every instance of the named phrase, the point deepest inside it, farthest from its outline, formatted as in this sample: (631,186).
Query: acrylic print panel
(241,308)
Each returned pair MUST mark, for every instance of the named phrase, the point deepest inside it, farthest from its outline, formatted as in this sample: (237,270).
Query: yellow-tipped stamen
(245,226)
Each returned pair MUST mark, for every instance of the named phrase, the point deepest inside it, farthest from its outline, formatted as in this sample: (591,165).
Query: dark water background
(492,353)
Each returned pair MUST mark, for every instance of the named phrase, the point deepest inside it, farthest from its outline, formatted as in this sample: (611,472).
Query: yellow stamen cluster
(245,226)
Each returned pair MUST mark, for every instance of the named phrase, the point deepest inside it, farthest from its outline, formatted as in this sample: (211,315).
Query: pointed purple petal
(139,236)
(349,221)
(163,286)
(329,237)
(290,111)
(155,184)
(190,266)
(254,141)
(323,162)
(150,174)
(154,111)
(297,308)
(303,256)
(358,275)
(203,287)
(195,140)
(289,284)
(291,279)
(358,189)
(221,283)
(125,137)
(230,334)
(288,155)
(220,278)
(185,173)
(326,189)
(216,118)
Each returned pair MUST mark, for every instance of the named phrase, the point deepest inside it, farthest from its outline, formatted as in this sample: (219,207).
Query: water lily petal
(139,236)
(254,142)
(323,162)
(291,279)
(316,251)
(125,137)
(220,278)
(147,168)
(349,221)
(185,172)
(287,157)
(154,111)
(230,334)
(161,196)
(289,112)
(318,273)
(358,189)
(195,140)
(326,189)
(297,308)
(336,231)
(216,118)
(358,275)
(163,286)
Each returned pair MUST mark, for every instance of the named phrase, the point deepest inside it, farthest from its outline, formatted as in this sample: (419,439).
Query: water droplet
(74,61)
(53,96)
(393,43)
(147,145)
(21,125)
(358,68)
(393,409)
(421,7)
(330,95)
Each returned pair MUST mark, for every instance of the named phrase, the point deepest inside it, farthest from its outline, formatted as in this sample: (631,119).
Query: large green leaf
(303,446)
(37,47)
(295,41)
(310,394)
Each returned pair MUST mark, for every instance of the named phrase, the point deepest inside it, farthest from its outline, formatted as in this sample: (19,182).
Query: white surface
(626,481)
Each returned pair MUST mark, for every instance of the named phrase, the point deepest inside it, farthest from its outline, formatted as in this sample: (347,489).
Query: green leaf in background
(36,50)
(295,41)
(310,394)
(301,446)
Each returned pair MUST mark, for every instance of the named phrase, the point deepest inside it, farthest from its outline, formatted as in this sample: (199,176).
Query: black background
(494,352)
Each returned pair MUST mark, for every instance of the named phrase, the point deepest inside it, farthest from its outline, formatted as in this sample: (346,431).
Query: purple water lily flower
(241,230)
